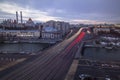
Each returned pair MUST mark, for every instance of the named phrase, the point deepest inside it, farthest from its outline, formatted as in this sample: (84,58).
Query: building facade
(51,33)
(20,34)
(96,30)
(62,27)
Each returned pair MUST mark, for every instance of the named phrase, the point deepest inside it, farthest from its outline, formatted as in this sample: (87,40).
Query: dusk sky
(74,11)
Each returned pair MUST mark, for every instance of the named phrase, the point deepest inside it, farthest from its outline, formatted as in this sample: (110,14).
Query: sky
(73,11)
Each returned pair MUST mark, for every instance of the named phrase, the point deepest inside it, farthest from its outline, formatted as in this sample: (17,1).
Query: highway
(53,64)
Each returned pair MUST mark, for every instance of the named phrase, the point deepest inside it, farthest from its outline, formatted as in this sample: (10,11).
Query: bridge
(51,64)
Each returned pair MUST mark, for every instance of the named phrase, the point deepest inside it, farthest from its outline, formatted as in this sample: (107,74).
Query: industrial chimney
(17,17)
(21,17)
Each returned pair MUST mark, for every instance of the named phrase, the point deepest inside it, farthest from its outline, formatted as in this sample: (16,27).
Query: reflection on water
(24,47)
(102,54)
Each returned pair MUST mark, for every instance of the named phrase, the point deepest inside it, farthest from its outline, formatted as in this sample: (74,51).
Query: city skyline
(73,11)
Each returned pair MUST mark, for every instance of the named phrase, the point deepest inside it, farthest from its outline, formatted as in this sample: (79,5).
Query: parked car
(85,77)
(107,77)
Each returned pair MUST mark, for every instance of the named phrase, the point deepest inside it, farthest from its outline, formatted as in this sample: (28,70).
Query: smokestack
(16,16)
(21,17)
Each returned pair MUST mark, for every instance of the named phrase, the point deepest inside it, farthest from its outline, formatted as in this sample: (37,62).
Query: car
(115,66)
(85,77)
(107,77)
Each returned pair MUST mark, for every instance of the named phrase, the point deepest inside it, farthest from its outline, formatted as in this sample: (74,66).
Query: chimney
(17,17)
(21,17)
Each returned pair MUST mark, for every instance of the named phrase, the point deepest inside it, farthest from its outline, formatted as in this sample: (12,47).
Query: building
(104,29)
(61,26)
(51,33)
(108,35)
(29,23)
(20,34)
(50,23)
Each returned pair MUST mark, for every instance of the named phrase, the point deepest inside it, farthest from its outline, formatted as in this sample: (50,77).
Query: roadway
(96,70)
(53,64)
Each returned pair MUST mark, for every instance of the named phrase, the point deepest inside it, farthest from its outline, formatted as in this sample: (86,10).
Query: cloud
(67,10)
(79,21)
(35,14)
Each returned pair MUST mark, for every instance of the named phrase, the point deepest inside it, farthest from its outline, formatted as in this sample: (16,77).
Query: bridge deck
(52,65)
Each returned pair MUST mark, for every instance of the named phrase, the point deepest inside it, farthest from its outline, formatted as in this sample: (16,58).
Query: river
(102,54)
(22,47)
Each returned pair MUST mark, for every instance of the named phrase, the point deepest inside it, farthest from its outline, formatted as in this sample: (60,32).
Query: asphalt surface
(97,70)
(53,64)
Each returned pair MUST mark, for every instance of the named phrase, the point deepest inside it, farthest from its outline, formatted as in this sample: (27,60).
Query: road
(95,69)
(53,64)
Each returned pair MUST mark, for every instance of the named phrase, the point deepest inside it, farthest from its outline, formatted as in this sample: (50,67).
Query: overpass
(52,64)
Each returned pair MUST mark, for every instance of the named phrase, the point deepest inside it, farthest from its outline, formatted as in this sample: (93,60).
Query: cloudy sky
(74,11)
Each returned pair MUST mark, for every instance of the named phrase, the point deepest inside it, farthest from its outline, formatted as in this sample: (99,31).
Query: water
(102,54)
(24,47)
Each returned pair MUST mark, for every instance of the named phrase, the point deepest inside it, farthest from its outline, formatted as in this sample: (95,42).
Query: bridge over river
(51,64)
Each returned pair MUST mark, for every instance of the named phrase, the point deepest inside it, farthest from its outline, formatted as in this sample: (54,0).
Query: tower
(21,17)
(16,17)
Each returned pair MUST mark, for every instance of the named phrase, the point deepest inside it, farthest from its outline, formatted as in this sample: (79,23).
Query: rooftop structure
(30,23)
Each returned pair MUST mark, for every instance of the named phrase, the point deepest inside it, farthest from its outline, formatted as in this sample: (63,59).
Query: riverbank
(47,41)
(10,64)
(12,56)
(9,60)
